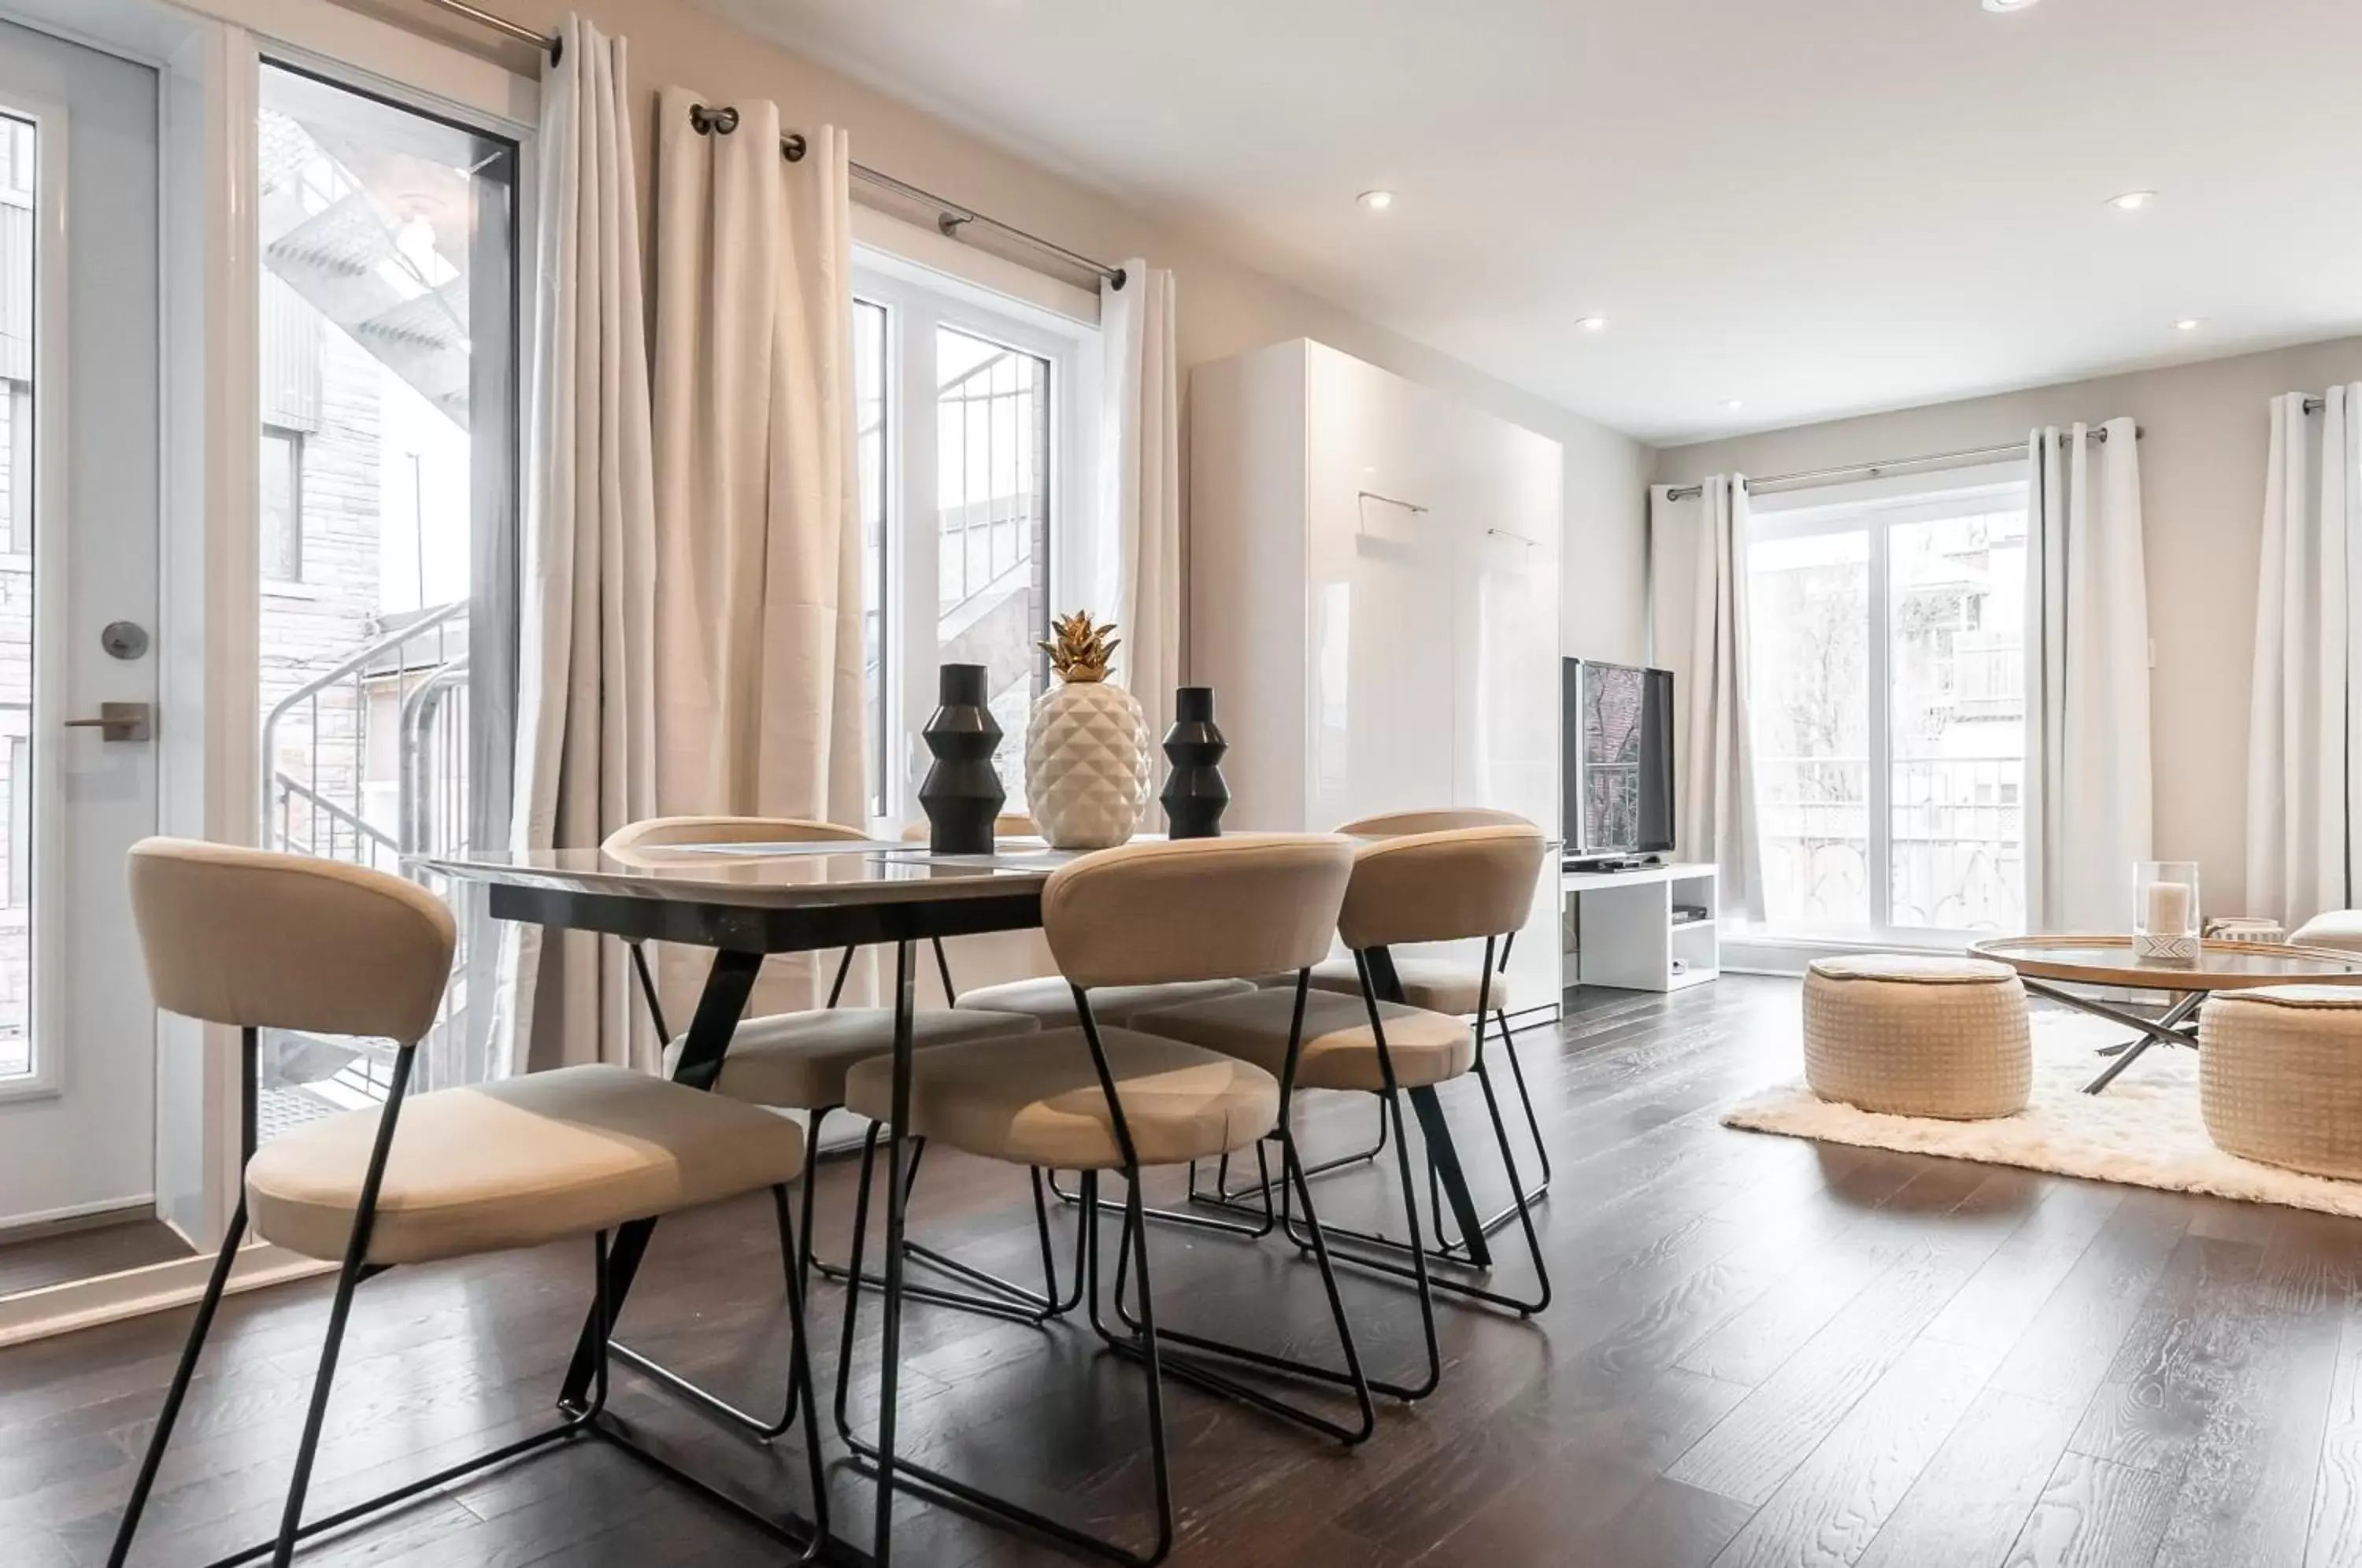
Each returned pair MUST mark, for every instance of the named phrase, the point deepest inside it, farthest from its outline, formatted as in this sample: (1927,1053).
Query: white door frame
(208,54)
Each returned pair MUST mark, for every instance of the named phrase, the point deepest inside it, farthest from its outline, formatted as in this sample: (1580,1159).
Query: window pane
(385,356)
(281,480)
(1956,672)
(870,457)
(992,468)
(19,168)
(1808,674)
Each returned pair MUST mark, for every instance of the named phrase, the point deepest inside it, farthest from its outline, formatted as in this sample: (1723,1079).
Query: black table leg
(723,1001)
(2172,1027)
(1437,1132)
(890,1348)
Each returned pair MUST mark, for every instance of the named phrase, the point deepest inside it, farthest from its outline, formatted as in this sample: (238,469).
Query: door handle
(120,722)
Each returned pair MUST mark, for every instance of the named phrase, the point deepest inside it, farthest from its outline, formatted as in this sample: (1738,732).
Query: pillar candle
(2167,913)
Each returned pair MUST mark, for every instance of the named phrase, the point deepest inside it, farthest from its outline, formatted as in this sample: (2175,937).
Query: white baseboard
(159,1287)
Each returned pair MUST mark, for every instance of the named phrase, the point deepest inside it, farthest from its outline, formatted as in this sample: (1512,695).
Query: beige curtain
(1140,485)
(1697,586)
(758,669)
(2087,733)
(586,698)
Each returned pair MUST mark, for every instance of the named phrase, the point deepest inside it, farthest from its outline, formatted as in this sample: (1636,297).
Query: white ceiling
(1822,207)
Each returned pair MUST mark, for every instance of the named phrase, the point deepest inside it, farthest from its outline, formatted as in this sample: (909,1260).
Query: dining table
(747,902)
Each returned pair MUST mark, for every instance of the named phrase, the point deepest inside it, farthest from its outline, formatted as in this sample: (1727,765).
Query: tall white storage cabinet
(1373,596)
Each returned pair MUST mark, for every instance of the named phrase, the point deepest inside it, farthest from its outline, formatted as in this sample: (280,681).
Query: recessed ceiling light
(1376,201)
(2189,323)
(2008,5)
(2132,201)
(1734,403)
(1592,322)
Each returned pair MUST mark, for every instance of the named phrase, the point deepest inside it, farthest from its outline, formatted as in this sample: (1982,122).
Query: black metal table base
(2172,1027)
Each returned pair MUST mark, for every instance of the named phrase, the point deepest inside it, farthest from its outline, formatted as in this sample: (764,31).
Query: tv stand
(1640,930)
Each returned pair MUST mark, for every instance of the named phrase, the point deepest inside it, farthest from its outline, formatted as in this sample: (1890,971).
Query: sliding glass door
(1886,676)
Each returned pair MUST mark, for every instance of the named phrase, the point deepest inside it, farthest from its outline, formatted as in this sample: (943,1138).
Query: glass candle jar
(2164,911)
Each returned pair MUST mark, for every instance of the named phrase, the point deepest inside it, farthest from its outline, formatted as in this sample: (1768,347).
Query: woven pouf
(2280,1077)
(1918,1036)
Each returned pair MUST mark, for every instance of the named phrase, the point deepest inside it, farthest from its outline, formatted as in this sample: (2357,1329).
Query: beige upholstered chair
(1448,885)
(1918,1035)
(259,940)
(1095,1097)
(1441,985)
(2280,1077)
(798,1061)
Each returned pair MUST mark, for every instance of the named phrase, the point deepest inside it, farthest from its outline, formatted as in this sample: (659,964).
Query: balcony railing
(366,762)
(1954,842)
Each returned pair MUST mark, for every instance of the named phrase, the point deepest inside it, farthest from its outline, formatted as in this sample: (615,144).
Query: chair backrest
(1388,824)
(265,941)
(1442,886)
(1201,908)
(1008,824)
(660,833)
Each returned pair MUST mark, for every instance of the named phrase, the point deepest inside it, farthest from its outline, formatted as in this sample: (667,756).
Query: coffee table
(2047,963)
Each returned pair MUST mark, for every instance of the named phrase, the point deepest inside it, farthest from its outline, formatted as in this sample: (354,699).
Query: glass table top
(2110,960)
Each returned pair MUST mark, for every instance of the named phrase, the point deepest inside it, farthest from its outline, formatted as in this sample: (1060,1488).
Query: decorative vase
(1085,745)
(1195,793)
(962,793)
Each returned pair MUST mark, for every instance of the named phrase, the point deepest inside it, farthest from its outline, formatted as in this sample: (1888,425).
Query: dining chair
(1446,886)
(798,1061)
(254,941)
(1096,1097)
(1048,999)
(1433,985)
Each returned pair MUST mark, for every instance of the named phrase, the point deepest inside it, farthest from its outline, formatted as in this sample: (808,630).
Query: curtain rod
(1872,471)
(950,215)
(554,44)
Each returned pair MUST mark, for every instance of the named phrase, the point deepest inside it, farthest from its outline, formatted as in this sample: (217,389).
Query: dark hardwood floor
(86,1252)
(1761,1352)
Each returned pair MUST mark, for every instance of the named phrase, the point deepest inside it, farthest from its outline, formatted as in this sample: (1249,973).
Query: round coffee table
(2047,963)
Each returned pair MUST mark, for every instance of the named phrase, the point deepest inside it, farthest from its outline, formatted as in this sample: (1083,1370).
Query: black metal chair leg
(1189,1369)
(1010,1301)
(1526,1099)
(149,1461)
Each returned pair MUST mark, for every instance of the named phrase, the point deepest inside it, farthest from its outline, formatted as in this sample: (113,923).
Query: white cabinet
(1373,596)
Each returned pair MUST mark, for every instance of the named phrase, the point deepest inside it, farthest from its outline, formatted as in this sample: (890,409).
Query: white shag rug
(2145,1130)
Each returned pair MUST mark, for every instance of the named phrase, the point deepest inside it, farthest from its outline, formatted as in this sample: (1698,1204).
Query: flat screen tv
(1619,736)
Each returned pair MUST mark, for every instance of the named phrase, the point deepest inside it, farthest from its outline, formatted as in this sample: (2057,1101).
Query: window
(967,410)
(283,505)
(1886,673)
(386,354)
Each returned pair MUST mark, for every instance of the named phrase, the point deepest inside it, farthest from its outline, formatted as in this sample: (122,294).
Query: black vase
(962,793)
(1195,795)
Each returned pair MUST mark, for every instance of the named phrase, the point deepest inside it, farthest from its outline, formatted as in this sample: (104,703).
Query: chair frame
(1144,1343)
(1010,1301)
(584,1420)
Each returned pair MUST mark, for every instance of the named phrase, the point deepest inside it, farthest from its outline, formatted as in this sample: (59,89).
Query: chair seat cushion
(2340,929)
(1035,1099)
(799,1059)
(1340,1052)
(1433,985)
(1051,1000)
(516,1162)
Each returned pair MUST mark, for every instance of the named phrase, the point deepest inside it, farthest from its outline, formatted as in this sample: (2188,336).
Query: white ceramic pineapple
(1085,744)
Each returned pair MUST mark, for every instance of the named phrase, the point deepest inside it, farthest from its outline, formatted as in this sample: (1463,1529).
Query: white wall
(2203,459)
(1225,307)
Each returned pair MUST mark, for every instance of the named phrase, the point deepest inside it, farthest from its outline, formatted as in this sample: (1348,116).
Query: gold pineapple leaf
(1081,650)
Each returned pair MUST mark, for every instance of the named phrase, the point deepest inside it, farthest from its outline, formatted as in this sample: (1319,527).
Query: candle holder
(2164,911)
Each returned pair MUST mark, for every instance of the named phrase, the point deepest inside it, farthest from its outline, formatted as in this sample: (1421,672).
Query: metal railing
(326,799)
(1953,842)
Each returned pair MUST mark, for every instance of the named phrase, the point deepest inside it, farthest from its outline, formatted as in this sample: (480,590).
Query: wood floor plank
(2095,1514)
(1761,1350)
